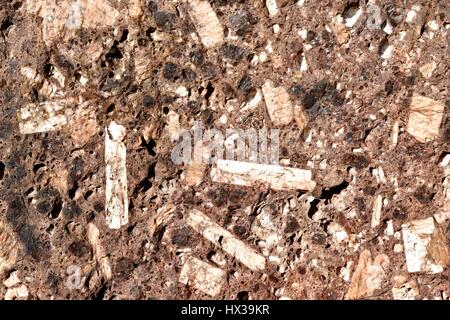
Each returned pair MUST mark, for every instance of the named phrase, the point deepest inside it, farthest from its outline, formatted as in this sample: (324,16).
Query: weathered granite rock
(353,201)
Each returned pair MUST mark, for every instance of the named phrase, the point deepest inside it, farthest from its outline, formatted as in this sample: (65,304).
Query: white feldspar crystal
(272,7)
(202,276)
(345,272)
(263,56)
(276,28)
(406,291)
(387,53)
(116,202)
(55,115)
(378,173)
(141,66)
(219,259)
(388,28)
(12,281)
(173,125)
(266,229)
(29,73)
(376,211)
(206,22)
(425,117)
(444,215)
(93,235)
(395,131)
(223,119)
(351,21)
(428,69)
(433,25)
(83,80)
(278,104)
(445,160)
(276,177)
(182,91)
(337,232)
(135,8)
(20,292)
(71,15)
(229,243)
(304,64)
(58,76)
(42,117)
(97,14)
(368,275)
(421,241)
(389,231)
(253,102)
(303,33)
(411,15)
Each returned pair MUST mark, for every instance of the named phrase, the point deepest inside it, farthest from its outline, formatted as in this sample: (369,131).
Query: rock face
(215,149)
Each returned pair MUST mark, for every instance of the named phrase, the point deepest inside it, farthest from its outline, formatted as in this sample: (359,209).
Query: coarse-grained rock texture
(359,91)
